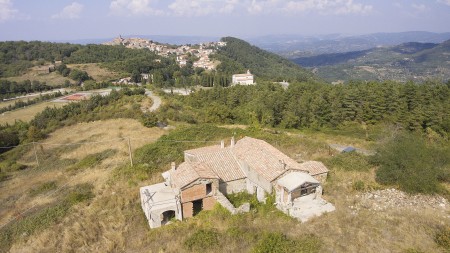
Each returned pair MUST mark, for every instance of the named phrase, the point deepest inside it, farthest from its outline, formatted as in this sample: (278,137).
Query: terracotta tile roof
(188,172)
(265,159)
(259,155)
(314,167)
(223,163)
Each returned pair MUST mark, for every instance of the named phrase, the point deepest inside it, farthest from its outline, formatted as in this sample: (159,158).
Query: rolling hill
(238,56)
(294,46)
(408,61)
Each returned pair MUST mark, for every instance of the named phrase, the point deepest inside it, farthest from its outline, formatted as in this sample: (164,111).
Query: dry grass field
(98,73)
(57,156)
(113,221)
(35,74)
(26,113)
(11,102)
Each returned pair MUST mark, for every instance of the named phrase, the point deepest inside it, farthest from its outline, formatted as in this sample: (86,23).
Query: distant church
(243,79)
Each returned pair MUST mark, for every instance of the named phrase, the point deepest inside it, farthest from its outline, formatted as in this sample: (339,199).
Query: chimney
(173,165)
(222,144)
(232,141)
(283,164)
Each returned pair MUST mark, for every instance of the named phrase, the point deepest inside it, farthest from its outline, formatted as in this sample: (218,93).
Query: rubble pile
(381,200)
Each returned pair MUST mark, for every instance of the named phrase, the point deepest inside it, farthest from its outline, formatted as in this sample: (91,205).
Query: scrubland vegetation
(69,185)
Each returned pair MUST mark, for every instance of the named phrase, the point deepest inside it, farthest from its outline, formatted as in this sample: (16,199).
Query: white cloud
(266,6)
(420,7)
(133,7)
(71,11)
(6,10)
(328,6)
(193,7)
(229,6)
(202,7)
(447,2)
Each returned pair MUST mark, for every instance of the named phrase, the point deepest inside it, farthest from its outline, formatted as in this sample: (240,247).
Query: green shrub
(81,193)
(201,240)
(237,199)
(279,243)
(442,237)
(358,185)
(412,164)
(45,187)
(11,165)
(93,159)
(149,119)
(351,161)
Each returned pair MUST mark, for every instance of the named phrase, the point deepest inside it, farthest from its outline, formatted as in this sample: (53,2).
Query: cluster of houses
(182,52)
(249,165)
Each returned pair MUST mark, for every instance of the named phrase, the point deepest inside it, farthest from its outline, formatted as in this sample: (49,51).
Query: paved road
(62,90)
(156,100)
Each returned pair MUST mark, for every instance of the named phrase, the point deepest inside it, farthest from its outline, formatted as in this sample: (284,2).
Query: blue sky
(91,19)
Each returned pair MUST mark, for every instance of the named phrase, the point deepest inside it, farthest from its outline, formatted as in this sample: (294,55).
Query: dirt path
(156,100)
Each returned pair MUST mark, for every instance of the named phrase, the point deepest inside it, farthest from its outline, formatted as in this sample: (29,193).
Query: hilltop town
(199,54)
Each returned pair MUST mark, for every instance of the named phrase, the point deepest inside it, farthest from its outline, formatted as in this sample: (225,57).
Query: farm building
(208,174)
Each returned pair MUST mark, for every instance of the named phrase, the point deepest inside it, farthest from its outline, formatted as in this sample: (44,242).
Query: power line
(34,205)
(113,140)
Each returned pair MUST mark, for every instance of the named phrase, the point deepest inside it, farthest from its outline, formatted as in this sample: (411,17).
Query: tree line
(19,104)
(316,105)
(9,89)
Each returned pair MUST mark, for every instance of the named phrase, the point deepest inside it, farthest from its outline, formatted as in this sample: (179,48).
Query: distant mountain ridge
(294,46)
(407,61)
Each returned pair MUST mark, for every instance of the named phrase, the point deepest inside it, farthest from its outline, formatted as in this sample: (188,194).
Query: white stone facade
(243,79)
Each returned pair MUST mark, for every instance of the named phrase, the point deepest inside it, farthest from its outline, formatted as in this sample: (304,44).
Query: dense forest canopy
(315,105)
(17,56)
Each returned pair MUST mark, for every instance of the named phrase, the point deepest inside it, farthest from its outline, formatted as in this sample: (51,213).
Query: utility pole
(129,151)
(35,153)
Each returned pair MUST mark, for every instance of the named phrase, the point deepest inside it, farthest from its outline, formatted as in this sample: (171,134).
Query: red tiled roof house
(251,165)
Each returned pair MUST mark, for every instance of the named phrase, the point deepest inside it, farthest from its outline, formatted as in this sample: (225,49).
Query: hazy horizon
(53,20)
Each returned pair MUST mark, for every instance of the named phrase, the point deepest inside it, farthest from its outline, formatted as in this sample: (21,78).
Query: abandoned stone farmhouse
(209,173)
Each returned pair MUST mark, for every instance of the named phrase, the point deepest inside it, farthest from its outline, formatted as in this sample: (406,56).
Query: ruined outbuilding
(208,174)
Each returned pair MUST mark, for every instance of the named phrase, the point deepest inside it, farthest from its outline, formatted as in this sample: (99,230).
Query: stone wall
(232,186)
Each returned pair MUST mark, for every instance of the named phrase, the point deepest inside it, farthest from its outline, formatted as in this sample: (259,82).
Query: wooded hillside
(238,56)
